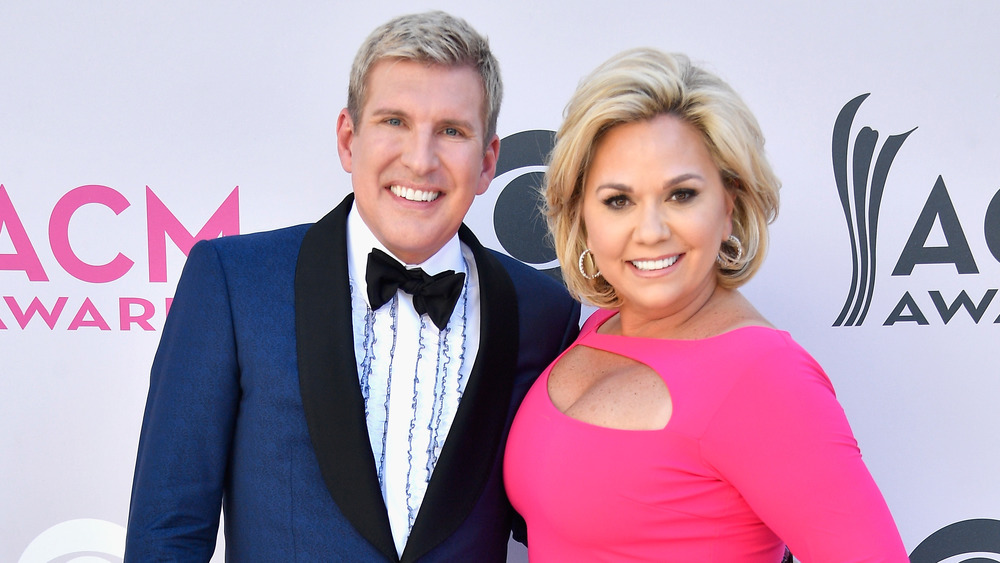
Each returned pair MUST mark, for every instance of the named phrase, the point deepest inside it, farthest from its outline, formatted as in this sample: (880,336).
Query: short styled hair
(638,85)
(434,38)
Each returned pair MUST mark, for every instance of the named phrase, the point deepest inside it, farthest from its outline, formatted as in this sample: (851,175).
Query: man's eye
(394,121)
(452,132)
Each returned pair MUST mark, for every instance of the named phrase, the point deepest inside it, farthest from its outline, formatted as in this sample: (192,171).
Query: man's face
(416,156)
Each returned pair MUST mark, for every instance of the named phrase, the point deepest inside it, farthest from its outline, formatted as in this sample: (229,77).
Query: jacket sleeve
(187,427)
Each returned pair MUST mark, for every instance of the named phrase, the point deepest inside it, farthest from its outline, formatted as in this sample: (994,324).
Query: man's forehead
(387,69)
(390,64)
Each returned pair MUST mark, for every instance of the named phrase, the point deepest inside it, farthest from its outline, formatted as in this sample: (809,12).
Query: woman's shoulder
(756,347)
(596,319)
(770,358)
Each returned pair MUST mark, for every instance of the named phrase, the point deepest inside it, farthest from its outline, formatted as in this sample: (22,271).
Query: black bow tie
(434,295)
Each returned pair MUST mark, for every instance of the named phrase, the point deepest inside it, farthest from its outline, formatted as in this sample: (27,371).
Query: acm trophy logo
(866,196)
(861,185)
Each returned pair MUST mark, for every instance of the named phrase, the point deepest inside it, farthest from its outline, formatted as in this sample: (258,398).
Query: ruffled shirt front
(412,375)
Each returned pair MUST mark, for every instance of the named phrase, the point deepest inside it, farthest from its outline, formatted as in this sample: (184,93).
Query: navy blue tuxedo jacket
(254,405)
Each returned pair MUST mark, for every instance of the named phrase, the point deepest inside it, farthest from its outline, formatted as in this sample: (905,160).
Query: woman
(681,426)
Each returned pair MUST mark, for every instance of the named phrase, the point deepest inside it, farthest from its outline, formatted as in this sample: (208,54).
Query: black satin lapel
(471,448)
(328,379)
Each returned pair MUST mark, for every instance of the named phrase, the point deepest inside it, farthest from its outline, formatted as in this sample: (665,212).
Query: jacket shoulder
(524,277)
(260,241)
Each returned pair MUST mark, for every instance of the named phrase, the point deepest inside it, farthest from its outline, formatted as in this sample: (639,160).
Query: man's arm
(188,423)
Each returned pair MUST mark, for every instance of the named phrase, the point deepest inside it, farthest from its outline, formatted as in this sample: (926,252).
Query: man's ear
(490,157)
(345,138)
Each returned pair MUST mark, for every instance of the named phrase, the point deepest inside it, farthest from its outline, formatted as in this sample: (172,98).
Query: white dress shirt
(412,375)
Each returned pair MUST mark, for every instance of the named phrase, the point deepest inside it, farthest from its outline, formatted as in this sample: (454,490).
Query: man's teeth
(649,265)
(414,195)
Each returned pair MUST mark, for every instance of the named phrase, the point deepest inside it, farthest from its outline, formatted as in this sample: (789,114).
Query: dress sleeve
(782,440)
(188,422)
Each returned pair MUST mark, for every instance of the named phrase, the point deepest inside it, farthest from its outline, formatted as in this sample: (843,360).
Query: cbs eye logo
(517,217)
(969,541)
(86,540)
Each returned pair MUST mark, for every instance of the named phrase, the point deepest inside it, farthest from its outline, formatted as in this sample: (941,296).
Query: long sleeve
(783,441)
(188,423)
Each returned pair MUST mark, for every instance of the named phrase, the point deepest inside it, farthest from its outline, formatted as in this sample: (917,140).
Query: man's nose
(420,153)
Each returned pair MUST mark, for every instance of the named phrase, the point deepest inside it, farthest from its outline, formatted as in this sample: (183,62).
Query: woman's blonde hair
(638,85)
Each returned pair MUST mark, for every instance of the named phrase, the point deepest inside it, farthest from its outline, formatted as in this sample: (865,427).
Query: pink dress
(757,453)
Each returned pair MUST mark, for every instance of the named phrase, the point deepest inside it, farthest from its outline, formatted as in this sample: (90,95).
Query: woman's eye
(616,201)
(682,195)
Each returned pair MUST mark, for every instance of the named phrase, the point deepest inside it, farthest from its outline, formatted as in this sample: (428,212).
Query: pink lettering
(24,257)
(95,319)
(36,307)
(59,234)
(169,301)
(160,223)
(128,319)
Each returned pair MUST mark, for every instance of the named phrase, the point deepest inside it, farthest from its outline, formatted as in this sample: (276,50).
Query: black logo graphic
(991,229)
(861,198)
(517,216)
(978,540)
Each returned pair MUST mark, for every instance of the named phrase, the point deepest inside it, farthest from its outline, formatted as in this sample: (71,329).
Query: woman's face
(656,212)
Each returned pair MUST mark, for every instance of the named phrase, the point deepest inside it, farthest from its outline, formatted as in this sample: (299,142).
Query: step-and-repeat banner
(130,130)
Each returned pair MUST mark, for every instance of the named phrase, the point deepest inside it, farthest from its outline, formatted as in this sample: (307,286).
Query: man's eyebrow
(382,112)
(460,124)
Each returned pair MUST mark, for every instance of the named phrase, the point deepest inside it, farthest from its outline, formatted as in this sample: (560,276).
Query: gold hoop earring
(583,271)
(725,260)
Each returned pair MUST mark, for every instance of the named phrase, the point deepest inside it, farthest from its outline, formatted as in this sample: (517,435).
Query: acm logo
(860,176)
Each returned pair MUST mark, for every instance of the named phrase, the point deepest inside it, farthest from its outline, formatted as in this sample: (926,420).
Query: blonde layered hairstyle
(638,85)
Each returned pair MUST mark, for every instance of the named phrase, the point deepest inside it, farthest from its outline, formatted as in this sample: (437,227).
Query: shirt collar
(361,241)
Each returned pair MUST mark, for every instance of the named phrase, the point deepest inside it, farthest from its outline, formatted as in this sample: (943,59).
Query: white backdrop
(186,103)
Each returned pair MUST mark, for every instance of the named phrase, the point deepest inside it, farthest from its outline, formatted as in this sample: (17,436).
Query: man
(334,416)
